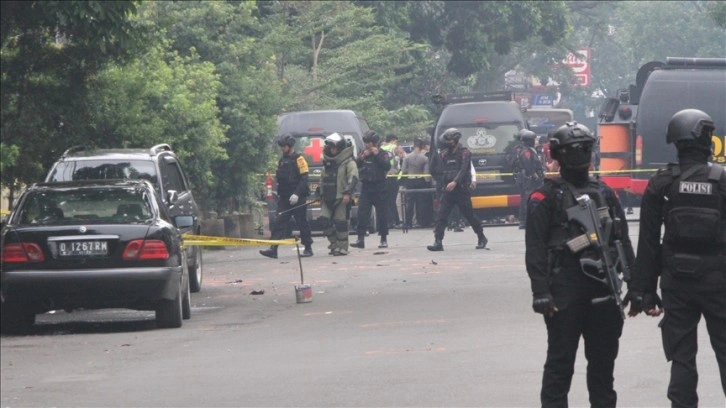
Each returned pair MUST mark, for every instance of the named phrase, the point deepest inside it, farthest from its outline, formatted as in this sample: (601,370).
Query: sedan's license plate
(83,248)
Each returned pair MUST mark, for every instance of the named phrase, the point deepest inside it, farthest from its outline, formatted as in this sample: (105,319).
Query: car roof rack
(74,149)
(441,99)
(687,62)
(161,147)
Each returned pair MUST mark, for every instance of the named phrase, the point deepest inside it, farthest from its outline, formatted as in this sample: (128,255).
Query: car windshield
(541,122)
(490,138)
(104,170)
(89,206)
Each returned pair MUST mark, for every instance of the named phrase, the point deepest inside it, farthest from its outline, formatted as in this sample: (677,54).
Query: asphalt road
(386,327)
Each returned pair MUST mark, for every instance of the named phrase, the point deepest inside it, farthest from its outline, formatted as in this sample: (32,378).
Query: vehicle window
(487,138)
(541,122)
(98,205)
(171,176)
(104,170)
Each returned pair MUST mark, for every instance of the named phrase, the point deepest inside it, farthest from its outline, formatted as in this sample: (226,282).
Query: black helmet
(334,140)
(286,140)
(570,133)
(527,136)
(371,137)
(571,145)
(451,134)
(690,125)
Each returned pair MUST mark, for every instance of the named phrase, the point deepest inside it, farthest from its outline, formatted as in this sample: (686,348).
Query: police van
(633,123)
(310,128)
(488,124)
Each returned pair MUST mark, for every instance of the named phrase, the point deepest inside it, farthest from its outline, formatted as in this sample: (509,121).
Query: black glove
(544,304)
(640,301)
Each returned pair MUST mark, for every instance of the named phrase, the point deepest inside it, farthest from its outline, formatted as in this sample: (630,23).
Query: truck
(633,123)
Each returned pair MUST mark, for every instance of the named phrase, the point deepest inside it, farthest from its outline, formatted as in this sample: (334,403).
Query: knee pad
(341,226)
(324,222)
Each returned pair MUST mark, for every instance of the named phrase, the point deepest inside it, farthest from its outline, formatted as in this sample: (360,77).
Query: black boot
(307,252)
(437,246)
(384,243)
(270,253)
(482,242)
(360,243)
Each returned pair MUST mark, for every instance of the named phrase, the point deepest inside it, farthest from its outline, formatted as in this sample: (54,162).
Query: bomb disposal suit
(338,181)
(690,199)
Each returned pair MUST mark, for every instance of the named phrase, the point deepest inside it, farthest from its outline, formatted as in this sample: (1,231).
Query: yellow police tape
(4,212)
(495,174)
(204,240)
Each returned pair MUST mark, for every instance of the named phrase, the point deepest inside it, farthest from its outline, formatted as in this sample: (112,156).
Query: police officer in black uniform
(573,303)
(292,191)
(531,172)
(455,169)
(690,198)
(373,165)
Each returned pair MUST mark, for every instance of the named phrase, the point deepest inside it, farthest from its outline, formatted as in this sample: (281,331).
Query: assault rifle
(597,237)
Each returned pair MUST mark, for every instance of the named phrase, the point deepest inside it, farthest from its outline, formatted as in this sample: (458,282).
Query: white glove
(293,199)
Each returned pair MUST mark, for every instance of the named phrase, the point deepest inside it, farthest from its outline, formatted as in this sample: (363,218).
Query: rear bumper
(134,288)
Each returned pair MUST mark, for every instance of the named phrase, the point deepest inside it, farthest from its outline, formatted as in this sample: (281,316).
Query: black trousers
(460,198)
(281,226)
(392,211)
(679,327)
(416,202)
(373,197)
(600,325)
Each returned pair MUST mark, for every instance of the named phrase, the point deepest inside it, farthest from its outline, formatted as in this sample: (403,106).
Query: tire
(15,321)
(196,271)
(169,312)
(186,303)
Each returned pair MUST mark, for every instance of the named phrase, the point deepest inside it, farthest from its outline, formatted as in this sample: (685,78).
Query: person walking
(292,192)
(414,166)
(531,172)
(689,197)
(455,170)
(575,303)
(337,184)
(373,165)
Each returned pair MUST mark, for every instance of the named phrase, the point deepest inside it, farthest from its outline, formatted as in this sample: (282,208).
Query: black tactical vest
(288,174)
(369,171)
(694,223)
(451,163)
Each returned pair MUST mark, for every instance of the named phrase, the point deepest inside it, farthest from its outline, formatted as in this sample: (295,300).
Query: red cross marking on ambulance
(315,150)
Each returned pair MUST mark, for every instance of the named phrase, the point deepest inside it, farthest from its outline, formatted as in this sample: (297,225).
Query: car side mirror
(171,196)
(184,221)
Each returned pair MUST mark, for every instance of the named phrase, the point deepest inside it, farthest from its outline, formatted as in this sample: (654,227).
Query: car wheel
(186,303)
(15,321)
(195,271)
(169,312)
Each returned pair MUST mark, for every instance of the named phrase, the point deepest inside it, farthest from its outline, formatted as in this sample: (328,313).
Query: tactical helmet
(571,145)
(570,133)
(286,140)
(335,140)
(690,125)
(527,136)
(451,134)
(371,137)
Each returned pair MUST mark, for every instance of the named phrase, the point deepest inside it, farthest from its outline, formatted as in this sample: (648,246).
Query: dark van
(633,125)
(310,129)
(487,127)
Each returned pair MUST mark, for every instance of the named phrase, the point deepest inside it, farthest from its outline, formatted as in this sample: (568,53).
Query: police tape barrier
(204,240)
(496,174)
(4,212)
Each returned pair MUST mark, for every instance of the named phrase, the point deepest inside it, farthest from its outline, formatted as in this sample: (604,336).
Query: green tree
(49,50)
(226,34)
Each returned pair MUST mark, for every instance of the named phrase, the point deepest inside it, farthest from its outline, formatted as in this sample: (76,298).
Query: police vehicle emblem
(481,140)
(317,172)
(694,187)
(82,229)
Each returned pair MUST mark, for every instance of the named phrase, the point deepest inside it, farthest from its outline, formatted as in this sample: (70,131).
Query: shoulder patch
(302,164)
(536,196)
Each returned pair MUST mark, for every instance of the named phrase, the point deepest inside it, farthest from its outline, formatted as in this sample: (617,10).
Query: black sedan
(93,245)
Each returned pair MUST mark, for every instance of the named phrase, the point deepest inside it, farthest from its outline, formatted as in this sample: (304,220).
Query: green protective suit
(339,177)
